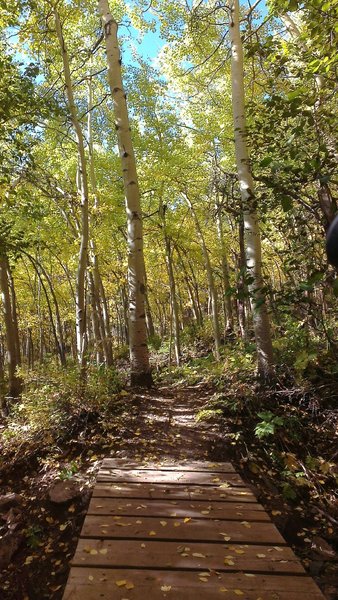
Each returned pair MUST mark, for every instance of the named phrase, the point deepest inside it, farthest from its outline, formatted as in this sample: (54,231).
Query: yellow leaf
(204,579)
(121,582)
(276,512)
(239,592)
(239,551)
(93,458)
(187,519)
(198,555)
(177,524)
(103,551)
(261,555)
(93,551)
(229,562)
(63,527)
(223,589)
(90,577)
(152,533)
(163,523)
(165,588)
(28,560)
(129,585)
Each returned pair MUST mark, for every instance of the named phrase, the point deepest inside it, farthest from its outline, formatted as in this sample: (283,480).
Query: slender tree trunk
(83,192)
(175,323)
(139,356)
(102,315)
(14,382)
(15,317)
(211,282)
(149,316)
(251,225)
(229,321)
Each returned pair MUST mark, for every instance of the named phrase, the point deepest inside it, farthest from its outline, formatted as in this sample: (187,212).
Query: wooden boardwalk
(182,532)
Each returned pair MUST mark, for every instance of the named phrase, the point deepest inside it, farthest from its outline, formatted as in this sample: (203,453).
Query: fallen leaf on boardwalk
(223,589)
(103,551)
(276,512)
(239,551)
(261,555)
(229,562)
(165,588)
(187,519)
(177,524)
(163,523)
(63,527)
(239,592)
(90,577)
(204,579)
(93,551)
(143,545)
(28,560)
(121,582)
(246,524)
(205,512)
(152,533)
(129,585)
(198,555)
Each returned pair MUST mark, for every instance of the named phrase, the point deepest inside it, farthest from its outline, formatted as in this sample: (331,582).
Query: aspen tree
(83,193)
(139,356)
(14,382)
(251,225)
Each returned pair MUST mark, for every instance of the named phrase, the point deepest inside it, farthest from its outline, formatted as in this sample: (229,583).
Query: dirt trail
(164,424)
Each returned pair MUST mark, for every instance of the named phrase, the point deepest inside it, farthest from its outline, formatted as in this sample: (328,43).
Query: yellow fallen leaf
(163,523)
(93,551)
(239,592)
(103,551)
(177,524)
(92,458)
(239,551)
(129,585)
(63,527)
(205,512)
(198,555)
(276,512)
(152,533)
(165,588)
(90,577)
(187,519)
(28,560)
(261,555)
(229,562)
(223,589)
(204,579)
(121,582)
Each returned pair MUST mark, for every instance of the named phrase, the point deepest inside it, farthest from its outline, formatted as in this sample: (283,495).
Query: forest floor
(152,425)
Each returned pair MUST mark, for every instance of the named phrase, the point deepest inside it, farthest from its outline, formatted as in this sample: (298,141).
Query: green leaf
(286,203)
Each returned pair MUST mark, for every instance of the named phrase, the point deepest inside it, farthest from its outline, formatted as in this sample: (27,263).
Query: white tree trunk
(83,192)
(211,283)
(251,224)
(139,356)
(14,382)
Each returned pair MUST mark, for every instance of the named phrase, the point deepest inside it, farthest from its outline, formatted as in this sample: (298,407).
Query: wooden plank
(172,477)
(176,529)
(135,554)
(175,492)
(92,584)
(121,463)
(178,508)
